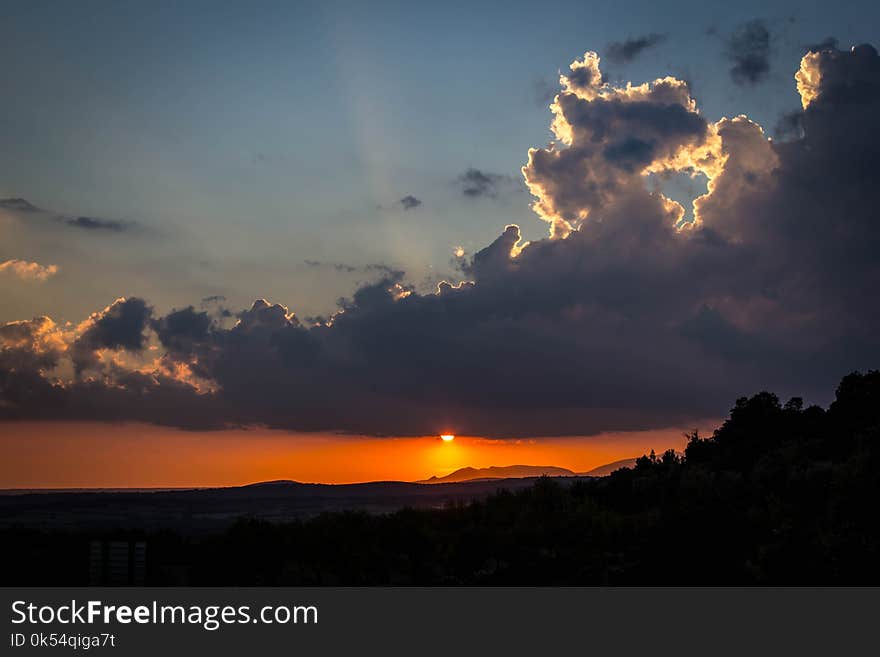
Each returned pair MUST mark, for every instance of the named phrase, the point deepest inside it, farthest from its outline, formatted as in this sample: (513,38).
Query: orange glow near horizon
(447,437)
(94,455)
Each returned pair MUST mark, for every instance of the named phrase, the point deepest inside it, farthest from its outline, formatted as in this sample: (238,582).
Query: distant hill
(499,472)
(608,468)
(195,511)
(524,471)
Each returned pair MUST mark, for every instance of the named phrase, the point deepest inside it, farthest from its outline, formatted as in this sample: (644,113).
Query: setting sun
(447,437)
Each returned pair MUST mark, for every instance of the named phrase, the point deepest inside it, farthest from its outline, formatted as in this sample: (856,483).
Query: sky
(89,455)
(366,220)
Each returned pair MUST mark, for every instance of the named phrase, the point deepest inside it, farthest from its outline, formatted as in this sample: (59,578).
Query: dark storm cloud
(409,202)
(749,50)
(623,52)
(621,321)
(91,223)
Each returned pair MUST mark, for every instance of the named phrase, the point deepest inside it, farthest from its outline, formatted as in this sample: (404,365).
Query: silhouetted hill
(499,472)
(275,483)
(519,471)
(608,468)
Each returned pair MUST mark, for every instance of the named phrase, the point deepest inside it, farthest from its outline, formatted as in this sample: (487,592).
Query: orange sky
(71,455)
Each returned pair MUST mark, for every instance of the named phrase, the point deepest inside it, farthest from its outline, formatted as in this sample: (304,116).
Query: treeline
(779,494)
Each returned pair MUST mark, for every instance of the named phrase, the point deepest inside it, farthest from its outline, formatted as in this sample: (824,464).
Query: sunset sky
(88,455)
(292,240)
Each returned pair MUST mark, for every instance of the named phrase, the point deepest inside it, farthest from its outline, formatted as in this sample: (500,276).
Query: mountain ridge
(520,471)
(608,468)
(499,472)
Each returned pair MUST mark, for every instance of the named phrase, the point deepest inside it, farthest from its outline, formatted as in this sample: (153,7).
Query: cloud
(475,183)
(789,125)
(181,330)
(371,268)
(216,305)
(18,205)
(542,91)
(624,317)
(30,347)
(28,271)
(91,223)
(623,52)
(338,266)
(23,207)
(828,43)
(611,137)
(839,81)
(409,202)
(119,326)
(749,50)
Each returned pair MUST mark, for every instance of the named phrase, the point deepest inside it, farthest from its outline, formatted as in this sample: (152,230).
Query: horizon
(144,457)
(319,483)
(309,241)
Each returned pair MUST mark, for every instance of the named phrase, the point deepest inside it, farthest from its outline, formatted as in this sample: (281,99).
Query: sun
(447,437)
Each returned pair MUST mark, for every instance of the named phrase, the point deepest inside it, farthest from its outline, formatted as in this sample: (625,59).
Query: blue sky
(247,138)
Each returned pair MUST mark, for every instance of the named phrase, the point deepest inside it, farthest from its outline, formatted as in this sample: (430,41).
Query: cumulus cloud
(748,48)
(119,326)
(28,271)
(623,52)
(32,344)
(839,80)
(607,138)
(180,330)
(623,317)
